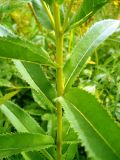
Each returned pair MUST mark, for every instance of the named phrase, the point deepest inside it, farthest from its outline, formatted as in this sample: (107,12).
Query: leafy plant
(84,120)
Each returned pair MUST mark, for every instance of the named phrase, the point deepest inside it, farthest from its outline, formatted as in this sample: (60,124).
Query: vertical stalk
(59,76)
(34,15)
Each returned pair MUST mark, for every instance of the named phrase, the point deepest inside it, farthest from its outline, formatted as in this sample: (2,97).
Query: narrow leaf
(33,156)
(22,122)
(7,97)
(25,142)
(87,9)
(70,141)
(38,83)
(16,48)
(42,101)
(70,153)
(41,14)
(20,119)
(48,1)
(38,76)
(96,129)
(85,47)
(35,77)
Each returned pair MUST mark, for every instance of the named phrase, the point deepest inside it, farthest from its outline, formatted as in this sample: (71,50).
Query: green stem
(34,15)
(59,76)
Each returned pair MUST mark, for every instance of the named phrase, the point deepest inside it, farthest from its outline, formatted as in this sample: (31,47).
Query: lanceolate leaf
(16,48)
(36,79)
(11,144)
(35,76)
(86,45)
(20,119)
(10,5)
(96,129)
(41,14)
(23,122)
(87,9)
(7,97)
(38,76)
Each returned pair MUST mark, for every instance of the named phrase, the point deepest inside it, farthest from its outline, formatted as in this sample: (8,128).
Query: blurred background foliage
(101,76)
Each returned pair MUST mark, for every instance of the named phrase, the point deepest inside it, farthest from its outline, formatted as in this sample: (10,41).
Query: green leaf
(41,14)
(41,101)
(25,142)
(11,5)
(96,129)
(70,153)
(69,136)
(20,119)
(59,1)
(86,10)
(38,76)
(5,83)
(70,141)
(35,77)
(16,48)
(7,97)
(33,156)
(86,45)
(49,1)
(22,122)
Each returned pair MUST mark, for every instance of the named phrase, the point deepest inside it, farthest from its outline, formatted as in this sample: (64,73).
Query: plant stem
(59,76)
(34,15)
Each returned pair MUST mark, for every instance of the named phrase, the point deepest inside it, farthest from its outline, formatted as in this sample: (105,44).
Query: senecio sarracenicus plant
(81,120)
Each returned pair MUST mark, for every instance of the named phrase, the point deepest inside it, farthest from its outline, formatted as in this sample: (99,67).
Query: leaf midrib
(85,118)
(84,55)
(26,47)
